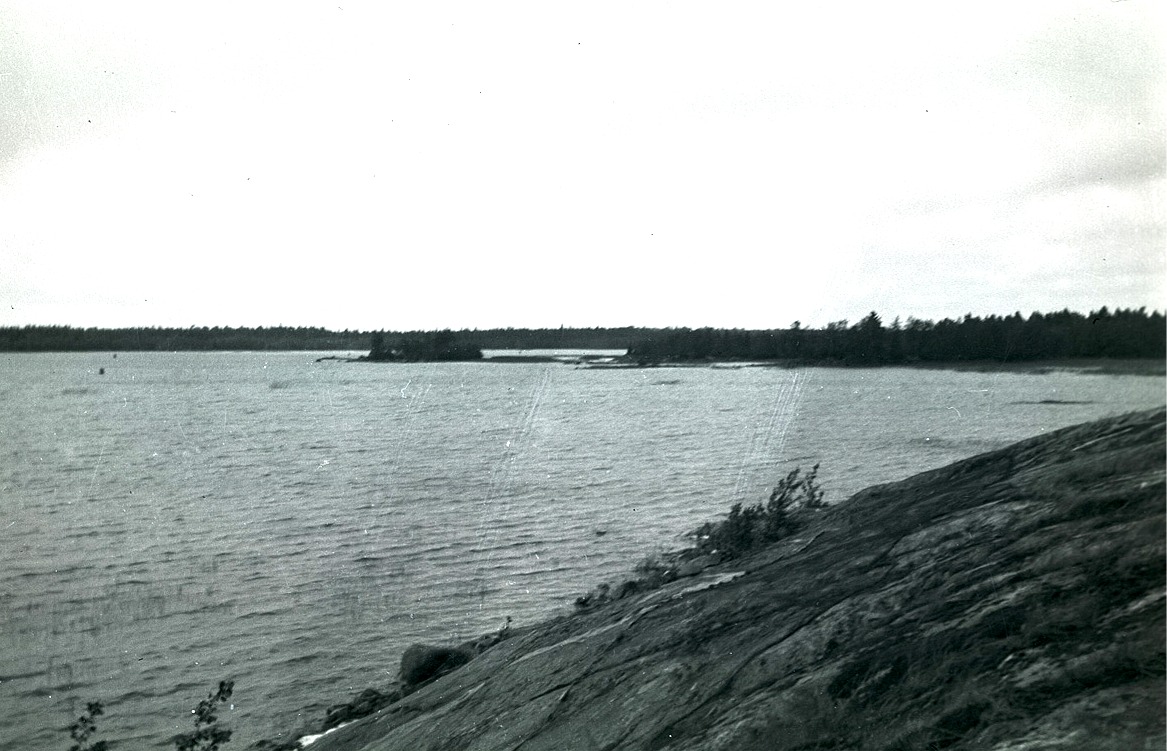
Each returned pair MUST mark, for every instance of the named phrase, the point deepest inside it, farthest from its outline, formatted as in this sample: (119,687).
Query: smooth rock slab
(1012,600)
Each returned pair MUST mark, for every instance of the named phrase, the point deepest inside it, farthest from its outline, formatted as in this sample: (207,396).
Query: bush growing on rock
(743,530)
(750,527)
(422,662)
(654,571)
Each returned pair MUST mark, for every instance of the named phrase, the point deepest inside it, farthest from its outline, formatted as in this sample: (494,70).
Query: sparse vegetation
(207,735)
(84,729)
(744,530)
(754,526)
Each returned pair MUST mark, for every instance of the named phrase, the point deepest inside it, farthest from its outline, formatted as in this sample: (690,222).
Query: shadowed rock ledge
(1014,600)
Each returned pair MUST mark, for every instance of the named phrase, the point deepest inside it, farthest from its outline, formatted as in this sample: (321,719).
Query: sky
(375,165)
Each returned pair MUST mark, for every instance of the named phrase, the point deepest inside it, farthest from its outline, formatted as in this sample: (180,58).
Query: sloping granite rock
(1014,600)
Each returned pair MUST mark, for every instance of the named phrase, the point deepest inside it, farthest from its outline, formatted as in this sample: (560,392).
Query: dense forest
(1051,336)
(70,339)
(560,338)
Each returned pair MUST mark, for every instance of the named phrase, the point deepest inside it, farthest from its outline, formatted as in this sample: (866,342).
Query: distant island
(438,346)
(1063,335)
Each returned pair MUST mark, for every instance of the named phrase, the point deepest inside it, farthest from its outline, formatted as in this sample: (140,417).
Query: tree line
(1123,333)
(154,339)
(70,339)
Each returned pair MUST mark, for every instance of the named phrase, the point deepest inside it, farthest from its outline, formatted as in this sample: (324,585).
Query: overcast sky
(424,165)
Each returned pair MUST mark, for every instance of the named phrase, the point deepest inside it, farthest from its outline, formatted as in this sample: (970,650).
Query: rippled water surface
(294,525)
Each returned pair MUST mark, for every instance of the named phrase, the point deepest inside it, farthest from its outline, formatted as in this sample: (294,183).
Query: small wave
(369,558)
(200,610)
(1054,401)
(21,676)
(263,613)
(83,534)
(134,696)
(931,442)
(183,689)
(34,574)
(299,659)
(503,546)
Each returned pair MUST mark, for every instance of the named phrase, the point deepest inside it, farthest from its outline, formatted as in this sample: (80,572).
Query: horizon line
(564,327)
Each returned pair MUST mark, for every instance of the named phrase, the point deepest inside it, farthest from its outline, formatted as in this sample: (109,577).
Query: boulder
(422,662)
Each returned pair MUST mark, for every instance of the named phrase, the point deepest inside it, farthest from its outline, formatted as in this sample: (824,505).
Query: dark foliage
(287,338)
(744,530)
(750,527)
(84,729)
(1103,333)
(1061,335)
(69,339)
(437,346)
(207,735)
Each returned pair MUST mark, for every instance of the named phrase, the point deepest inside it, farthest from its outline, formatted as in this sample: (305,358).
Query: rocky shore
(1014,600)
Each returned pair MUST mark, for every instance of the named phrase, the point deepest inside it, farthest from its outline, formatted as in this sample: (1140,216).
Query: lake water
(294,525)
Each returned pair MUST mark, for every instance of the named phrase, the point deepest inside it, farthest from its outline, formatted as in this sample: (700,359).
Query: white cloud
(523,164)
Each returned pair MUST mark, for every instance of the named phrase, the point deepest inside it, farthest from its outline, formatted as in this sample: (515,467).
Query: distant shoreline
(1085,366)
(1099,366)
(1144,367)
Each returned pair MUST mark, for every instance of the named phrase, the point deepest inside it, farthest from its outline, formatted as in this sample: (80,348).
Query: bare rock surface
(1014,600)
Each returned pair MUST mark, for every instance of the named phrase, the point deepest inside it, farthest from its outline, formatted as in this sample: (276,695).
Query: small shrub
(422,663)
(750,527)
(653,571)
(800,492)
(744,529)
(84,728)
(598,596)
(207,735)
